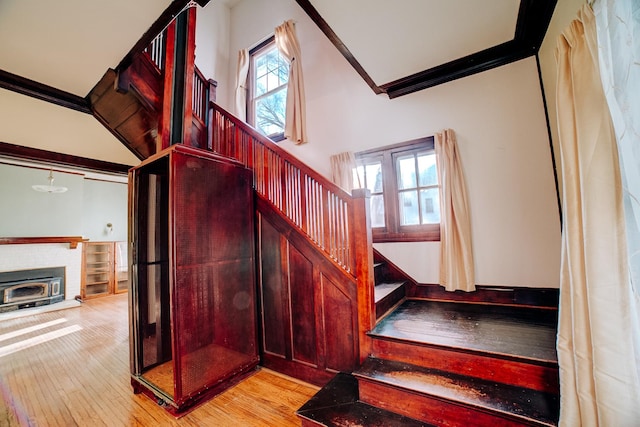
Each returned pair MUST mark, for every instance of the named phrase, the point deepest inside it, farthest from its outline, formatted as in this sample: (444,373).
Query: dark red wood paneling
(273,291)
(234,310)
(310,318)
(340,326)
(303,313)
(197,228)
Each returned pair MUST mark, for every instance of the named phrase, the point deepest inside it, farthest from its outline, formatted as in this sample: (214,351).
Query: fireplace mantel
(71,240)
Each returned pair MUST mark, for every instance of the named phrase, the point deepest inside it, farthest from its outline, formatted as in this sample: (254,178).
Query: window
(405,193)
(269,73)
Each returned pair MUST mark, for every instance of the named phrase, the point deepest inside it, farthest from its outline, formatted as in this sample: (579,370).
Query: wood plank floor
(524,332)
(71,368)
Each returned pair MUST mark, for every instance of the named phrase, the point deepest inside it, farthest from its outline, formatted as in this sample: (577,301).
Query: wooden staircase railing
(336,222)
(156,50)
(319,208)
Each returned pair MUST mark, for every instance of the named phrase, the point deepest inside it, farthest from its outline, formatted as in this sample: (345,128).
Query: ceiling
(402,47)
(61,49)
(57,51)
(102,33)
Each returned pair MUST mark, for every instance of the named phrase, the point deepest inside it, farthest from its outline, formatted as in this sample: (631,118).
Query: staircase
(446,363)
(412,355)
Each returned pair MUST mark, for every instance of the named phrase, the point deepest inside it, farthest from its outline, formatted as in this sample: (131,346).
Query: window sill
(424,236)
(277,137)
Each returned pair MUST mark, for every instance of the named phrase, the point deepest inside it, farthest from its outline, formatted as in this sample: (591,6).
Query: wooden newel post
(364,268)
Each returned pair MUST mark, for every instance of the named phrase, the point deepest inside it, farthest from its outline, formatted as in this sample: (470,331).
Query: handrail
(319,208)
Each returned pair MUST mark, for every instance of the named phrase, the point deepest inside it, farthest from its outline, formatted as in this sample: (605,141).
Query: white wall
(84,210)
(498,117)
(28,213)
(104,203)
(212,44)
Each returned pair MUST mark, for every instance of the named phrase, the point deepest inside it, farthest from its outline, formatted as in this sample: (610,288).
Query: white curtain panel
(456,254)
(241,85)
(598,377)
(295,128)
(618,30)
(342,166)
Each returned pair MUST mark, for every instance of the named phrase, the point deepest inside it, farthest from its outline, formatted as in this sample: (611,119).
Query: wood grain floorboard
(524,332)
(82,379)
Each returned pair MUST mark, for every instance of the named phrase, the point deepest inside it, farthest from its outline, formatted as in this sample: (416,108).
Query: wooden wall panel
(309,306)
(303,316)
(340,319)
(273,291)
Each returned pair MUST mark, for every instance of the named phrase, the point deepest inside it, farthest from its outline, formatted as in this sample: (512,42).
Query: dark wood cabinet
(193,302)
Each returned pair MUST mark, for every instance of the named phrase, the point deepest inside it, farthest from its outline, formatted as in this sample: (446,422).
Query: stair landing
(511,331)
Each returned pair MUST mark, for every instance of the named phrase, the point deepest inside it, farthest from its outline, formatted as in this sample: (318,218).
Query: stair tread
(520,402)
(520,332)
(337,404)
(381,290)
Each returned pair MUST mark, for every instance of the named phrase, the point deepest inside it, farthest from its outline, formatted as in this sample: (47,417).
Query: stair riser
(517,373)
(430,409)
(389,301)
(306,422)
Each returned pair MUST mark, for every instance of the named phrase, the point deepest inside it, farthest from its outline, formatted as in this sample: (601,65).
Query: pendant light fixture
(50,188)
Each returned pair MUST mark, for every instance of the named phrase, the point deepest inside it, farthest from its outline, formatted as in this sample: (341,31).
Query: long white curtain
(618,30)
(295,128)
(342,166)
(241,85)
(598,377)
(456,254)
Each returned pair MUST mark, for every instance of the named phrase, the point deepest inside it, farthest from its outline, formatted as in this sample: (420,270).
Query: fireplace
(31,288)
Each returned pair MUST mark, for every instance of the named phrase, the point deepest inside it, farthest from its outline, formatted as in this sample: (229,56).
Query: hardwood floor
(71,368)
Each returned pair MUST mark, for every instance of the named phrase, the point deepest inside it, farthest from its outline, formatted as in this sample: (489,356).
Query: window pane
(430,204)
(406,166)
(270,112)
(374,177)
(409,213)
(261,85)
(261,66)
(427,168)
(283,70)
(272,59)
(377,211)
(272,80)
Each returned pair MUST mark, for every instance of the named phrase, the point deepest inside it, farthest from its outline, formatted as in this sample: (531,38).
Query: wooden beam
(333,38)
(462,67)
(533,20)
(43,92)
(35,154)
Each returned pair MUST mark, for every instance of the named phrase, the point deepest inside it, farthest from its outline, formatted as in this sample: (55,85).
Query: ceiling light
(49,188)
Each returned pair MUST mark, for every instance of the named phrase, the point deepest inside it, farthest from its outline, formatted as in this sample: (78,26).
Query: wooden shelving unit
(105,269)
(121,270)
